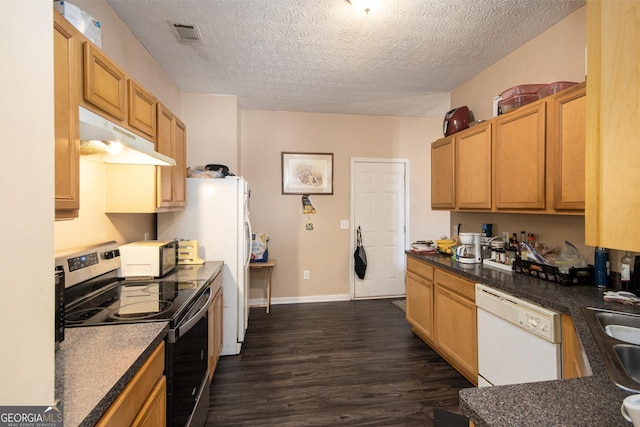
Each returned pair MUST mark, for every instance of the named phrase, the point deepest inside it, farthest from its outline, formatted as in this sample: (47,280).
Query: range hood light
(116,144)
(113,147)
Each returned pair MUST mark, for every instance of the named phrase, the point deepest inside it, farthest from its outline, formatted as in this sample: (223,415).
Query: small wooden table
(269,264)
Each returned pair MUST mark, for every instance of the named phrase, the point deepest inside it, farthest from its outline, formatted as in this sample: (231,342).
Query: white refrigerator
(217,215)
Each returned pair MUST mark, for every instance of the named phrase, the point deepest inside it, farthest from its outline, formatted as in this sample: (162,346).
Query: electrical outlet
(146,236)
(305,274)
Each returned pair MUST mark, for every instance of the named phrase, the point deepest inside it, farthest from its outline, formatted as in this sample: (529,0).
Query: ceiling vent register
(187,33)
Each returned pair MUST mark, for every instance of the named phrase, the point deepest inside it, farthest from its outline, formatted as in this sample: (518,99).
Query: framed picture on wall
(307,173)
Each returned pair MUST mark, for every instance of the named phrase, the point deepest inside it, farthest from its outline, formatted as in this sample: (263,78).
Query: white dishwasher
(518,341)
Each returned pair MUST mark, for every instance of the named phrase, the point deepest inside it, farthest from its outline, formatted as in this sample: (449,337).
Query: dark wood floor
(327,364)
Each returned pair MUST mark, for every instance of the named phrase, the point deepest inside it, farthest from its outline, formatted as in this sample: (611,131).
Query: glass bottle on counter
(625,271)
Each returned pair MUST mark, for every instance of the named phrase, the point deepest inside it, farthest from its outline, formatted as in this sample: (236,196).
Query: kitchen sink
(606,318)
(630,357)
(622,326)
(617,335)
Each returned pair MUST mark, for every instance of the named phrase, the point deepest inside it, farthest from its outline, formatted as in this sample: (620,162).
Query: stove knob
(111,254)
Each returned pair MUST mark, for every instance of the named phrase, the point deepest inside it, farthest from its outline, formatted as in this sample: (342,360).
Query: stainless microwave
(148,258)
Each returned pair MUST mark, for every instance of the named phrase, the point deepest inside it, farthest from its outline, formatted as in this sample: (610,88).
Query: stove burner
(141,310)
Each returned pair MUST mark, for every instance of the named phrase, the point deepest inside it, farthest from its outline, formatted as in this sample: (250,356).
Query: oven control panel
(82,261)
(85,263)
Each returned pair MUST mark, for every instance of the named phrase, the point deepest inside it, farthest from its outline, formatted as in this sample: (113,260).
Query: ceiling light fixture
(366,6)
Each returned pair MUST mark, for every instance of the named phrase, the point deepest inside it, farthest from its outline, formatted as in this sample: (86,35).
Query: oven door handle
(191,321)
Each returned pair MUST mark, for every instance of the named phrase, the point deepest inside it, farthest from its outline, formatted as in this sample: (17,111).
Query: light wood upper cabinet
(443,174)
(473,167)
(613,131)
(164,145)
(172,141)
(104,82)
(566,148)
(142,109)
(180,170)
(66,134)
(519,158)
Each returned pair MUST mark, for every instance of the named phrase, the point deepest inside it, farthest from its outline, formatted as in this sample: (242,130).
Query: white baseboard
(299,300)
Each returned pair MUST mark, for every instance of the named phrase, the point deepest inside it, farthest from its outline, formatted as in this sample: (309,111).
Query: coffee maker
(469,251)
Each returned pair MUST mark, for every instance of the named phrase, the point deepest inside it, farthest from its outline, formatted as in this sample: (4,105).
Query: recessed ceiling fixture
(366,6)
(187,33)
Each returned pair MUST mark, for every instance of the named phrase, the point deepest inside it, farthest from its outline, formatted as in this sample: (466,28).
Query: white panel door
(379,210)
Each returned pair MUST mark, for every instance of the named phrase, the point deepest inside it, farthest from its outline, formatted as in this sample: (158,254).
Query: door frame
(352,229)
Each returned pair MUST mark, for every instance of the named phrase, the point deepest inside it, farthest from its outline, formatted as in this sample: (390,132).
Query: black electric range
(95,296)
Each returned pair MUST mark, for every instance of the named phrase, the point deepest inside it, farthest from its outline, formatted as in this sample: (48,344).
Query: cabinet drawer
(460,286)
(419,268)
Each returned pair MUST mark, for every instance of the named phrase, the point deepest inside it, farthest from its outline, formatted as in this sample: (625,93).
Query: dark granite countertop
(94,364)
(589,401)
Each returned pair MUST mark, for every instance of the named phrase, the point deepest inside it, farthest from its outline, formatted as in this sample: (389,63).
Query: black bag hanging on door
(360,256)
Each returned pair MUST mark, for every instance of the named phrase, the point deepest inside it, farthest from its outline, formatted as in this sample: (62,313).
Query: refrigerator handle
(248,241)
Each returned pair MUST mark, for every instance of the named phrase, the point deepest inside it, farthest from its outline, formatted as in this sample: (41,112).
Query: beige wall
(212,130)
(26,183)
(93,225)
(325,251)
(558,54)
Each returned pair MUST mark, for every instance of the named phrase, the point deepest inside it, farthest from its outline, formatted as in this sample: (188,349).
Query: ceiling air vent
(187,33)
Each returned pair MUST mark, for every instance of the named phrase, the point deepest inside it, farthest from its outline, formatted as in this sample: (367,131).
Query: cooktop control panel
(82,264)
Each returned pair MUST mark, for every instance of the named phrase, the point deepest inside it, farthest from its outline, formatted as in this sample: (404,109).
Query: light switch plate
(344,224)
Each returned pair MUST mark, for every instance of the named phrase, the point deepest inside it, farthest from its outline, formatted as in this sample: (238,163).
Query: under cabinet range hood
(115,143)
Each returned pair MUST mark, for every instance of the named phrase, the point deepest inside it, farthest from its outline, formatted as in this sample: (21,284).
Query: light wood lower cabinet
(143,400)
(419,308)
(455,323)
(574,359)
(215,325)
(441,309)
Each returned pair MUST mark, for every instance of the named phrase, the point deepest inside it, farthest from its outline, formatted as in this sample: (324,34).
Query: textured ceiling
(323,56)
